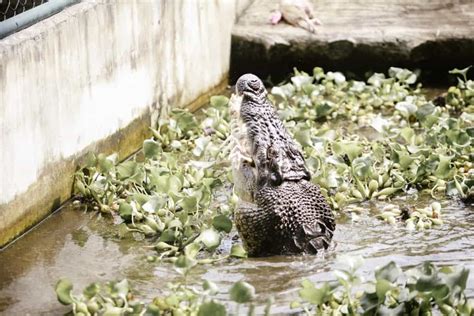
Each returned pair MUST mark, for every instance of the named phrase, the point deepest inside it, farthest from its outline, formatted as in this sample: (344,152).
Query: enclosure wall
(93,78)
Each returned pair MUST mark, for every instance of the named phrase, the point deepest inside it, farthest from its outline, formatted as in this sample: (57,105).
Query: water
(84,247)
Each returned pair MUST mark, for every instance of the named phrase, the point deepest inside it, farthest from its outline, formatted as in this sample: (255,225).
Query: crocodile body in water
(279,210)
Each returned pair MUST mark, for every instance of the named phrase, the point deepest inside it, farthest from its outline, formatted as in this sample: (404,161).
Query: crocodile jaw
(243,170)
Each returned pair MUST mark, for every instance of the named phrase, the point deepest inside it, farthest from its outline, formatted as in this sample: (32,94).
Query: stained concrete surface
(94,77)
(358,36)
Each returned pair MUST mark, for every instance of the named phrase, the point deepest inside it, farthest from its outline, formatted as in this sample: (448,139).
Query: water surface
(84,247)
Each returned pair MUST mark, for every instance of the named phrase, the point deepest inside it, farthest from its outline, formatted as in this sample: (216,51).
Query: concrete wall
(94,77)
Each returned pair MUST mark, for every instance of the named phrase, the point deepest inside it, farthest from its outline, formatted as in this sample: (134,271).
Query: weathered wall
(94,77)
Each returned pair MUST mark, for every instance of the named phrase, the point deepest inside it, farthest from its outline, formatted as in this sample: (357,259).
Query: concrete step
(358,36)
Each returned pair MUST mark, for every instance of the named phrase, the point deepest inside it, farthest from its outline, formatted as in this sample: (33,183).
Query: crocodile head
(250,86)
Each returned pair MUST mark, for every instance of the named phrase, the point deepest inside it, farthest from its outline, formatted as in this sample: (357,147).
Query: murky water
(84,247)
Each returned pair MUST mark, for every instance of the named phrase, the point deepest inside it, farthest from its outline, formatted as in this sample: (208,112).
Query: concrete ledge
(358,36)
(54,183)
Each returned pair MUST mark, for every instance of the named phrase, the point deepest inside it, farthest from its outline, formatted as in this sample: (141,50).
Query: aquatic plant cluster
(413,142)
(416,291)
(177,192)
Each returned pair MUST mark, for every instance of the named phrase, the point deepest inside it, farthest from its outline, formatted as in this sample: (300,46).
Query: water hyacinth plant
(371,140)
(399,140)
(171,192)
(115,299)
(423,290)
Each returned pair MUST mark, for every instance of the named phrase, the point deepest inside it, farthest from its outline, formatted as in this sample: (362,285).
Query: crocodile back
(302,218)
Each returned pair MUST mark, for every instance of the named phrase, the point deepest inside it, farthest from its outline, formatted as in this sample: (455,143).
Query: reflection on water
(85,248)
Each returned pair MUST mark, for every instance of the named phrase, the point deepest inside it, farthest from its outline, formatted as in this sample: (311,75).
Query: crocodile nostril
(254,84)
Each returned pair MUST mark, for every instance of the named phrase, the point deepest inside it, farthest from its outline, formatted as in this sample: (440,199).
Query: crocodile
(279,211)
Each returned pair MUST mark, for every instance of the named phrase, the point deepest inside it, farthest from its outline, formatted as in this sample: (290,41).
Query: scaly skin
(280,211)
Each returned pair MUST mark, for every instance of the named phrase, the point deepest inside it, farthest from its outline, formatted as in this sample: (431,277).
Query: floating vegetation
(418,291)
(412,144)
(415,218)
(115,298)
(362,141)
(171,193)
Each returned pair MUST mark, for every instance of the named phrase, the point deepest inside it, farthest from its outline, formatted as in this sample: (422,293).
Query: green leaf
(337,77)
(376,79)
(126,169)
(91,290)
(192,250)
(389,272)
(211,287)
(105,164)
(242,292)
(63,291)
(185,119)
(457,278)
(351,149)
(212,308)
(403,75)
(325,108)
(79,186)
(120,289)
(222,223)
(169,184)
(152,310)
(427,283)
(300,81)
(318,73)
(441,293)
(168,236)
(462,72)
(185,262)
(151,149)
(210,238)
(362,167)
(238,251)
(283,92)
(407,109)
(219,100)
(153,204)
(125,211)
(174,184)
(91,160)
(382,287)
(201,144)
(314,295)
(443,171)
(189,203)
(112,311)
(303,136)
(424,111)
(403,158)
(408,134)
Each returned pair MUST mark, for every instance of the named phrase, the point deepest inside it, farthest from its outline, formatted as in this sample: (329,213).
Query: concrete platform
(358,36)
